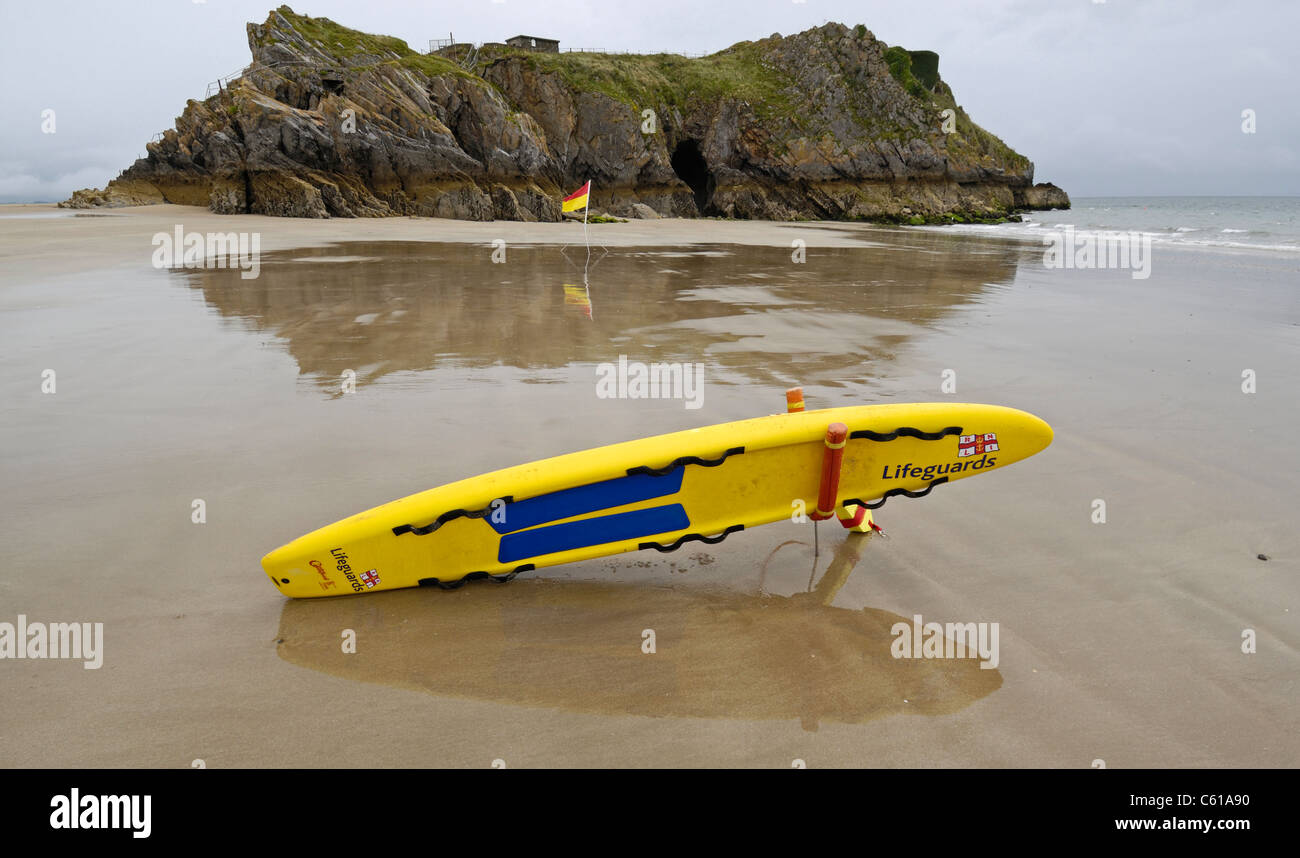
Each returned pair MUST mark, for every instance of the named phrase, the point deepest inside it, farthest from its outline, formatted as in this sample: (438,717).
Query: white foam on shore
(1034,232)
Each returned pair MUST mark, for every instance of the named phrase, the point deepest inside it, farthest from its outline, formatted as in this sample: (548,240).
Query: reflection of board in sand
(577,646)
(662,492)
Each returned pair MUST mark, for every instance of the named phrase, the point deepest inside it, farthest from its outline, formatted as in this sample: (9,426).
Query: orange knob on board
(794,399)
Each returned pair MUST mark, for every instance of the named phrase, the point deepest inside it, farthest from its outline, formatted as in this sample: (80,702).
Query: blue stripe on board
(584,499)
(592,531)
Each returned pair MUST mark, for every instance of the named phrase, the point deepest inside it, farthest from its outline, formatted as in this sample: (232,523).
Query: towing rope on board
(475,576)
(684,460)
(895,493)
(450,515)
(691,537)
(905,430)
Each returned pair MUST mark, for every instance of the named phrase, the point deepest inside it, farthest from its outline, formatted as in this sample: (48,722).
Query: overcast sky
(1122,97)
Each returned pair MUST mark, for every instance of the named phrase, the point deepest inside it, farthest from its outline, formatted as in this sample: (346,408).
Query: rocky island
(830,123)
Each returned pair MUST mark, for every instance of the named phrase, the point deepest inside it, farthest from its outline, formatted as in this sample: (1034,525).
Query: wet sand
(1119,641)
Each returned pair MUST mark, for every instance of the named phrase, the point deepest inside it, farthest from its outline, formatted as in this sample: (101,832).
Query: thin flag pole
(586,285)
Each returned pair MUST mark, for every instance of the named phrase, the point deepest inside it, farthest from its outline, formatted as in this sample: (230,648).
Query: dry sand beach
(1120,641)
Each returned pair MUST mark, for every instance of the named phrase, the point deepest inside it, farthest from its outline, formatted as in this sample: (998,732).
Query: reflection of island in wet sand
(379,308)
(578,647)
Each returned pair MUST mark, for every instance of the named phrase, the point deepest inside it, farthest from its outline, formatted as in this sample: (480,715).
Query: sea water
(1247,223)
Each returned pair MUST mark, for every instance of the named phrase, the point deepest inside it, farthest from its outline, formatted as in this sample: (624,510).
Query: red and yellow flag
(577,200)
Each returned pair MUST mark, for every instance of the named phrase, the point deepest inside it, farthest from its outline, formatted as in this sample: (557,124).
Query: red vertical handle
(836,437)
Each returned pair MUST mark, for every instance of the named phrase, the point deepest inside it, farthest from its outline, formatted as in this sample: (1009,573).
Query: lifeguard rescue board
(662,492)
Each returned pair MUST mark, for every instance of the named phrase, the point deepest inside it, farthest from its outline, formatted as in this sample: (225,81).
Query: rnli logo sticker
(976,445)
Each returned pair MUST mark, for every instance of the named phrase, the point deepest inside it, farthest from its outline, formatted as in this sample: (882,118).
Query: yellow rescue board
(661,492)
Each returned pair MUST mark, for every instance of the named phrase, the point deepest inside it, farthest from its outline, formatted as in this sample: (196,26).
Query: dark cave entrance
(689,165)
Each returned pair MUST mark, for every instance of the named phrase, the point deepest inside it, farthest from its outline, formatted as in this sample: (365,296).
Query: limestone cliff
(829,123)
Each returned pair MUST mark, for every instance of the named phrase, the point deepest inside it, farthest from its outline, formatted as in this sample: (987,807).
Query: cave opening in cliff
(689,165)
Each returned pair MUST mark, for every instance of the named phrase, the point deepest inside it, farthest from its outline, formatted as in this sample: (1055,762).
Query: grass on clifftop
(433,65)
(644,80)
(900,67)
(346,43)
(917,71)
(343,41)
